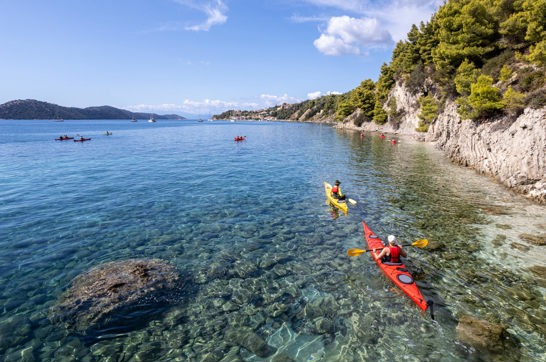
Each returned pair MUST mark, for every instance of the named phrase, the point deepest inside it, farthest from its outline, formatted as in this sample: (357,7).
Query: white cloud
(367,24)
(273,100)
(213,106)
(318,94)
(217,106)
(215,11)
(400,15)
(314,95)
(331,45)
(346,35)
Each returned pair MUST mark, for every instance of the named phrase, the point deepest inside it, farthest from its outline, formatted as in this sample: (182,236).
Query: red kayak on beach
(396,272)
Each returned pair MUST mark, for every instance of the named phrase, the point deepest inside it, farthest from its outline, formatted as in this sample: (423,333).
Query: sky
(196,57)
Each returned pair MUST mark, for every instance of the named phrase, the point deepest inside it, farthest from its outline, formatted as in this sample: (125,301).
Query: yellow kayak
(340,204)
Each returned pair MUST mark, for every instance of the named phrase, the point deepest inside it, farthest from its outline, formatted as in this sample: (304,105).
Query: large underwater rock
(113,292)
(483,335)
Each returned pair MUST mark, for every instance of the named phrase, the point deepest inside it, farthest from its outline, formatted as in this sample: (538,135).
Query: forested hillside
(33,109)
(489,56)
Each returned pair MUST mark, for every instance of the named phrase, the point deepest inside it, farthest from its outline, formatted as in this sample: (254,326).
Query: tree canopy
(465,48)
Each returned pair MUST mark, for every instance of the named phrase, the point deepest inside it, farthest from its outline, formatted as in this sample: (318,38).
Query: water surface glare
(265,264)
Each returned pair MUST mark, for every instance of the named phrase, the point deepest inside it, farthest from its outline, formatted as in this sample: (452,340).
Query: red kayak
(83,139)
(397,272)
(239,138)
(62,138)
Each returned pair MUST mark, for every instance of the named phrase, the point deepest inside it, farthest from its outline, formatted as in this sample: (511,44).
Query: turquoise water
(247,226)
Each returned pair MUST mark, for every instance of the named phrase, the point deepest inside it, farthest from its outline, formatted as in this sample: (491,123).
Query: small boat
(64,138)
(239,138)
(396,272)
(82,139)
(108,133)
(151,120)
(133,119)
(340,204)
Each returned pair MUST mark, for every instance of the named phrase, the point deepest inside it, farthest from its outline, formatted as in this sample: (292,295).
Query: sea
(263,257)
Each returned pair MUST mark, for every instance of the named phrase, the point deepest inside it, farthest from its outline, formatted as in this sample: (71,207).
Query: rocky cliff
(511,151)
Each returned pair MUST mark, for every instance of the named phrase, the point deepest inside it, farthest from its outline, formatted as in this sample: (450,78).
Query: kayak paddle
(421,243)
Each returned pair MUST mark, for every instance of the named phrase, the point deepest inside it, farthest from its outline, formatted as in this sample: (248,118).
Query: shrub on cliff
(466,74)
(344,109)
(485,100)
(379,114)
(363,97)
(429,112)
(514,101)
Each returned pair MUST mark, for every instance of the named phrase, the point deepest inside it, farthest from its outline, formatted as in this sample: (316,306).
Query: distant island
(33,109)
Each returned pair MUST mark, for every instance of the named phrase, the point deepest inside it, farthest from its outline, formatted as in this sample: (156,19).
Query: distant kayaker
(391,252)
(336,191)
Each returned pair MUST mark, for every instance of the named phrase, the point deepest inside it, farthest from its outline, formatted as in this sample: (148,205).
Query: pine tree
(466,74)
(505,73)
(466,30)
(363,97)
(513,100)
(429,112)
(484,98)
(380,116)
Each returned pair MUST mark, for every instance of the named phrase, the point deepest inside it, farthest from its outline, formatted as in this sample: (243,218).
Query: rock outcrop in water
(117,287)
(513,151)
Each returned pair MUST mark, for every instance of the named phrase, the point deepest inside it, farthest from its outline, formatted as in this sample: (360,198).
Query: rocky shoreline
(513,152)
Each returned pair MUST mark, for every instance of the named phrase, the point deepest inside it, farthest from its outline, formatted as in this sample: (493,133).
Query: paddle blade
(352,202)
(355,252)
(421,243)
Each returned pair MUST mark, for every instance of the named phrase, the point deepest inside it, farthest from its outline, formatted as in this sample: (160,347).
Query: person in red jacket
(391,252)
(336,191)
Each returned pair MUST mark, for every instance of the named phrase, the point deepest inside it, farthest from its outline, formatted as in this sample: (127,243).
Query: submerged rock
(540,273)
(116,288)
(483,335)
(539,240)
(246,338)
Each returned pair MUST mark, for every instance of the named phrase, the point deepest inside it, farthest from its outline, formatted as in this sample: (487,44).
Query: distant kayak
(239,138)
(82,139)
(64,138)
(340,204)
(396,272)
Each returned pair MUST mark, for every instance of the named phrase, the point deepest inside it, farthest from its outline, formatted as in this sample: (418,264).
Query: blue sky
(196,57)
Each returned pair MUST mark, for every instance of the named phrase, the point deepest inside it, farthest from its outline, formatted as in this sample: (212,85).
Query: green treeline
(489,56)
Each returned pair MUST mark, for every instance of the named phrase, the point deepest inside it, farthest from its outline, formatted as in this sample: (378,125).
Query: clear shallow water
(247,225)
